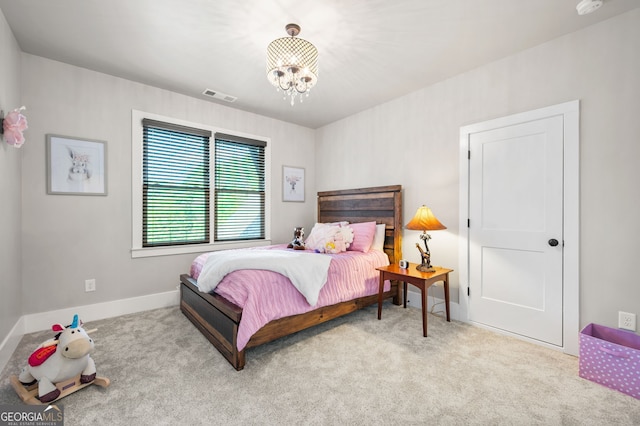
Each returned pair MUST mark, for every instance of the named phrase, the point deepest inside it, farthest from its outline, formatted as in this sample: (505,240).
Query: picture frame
(76,166)
(293,184)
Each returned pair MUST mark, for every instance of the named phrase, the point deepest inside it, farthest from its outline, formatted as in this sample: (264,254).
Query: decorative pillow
(347,233)
(314,235)
(363,234)
(378,238)
(328,238)
(343,223)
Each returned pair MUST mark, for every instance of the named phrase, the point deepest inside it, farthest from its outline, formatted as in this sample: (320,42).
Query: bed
(218,319)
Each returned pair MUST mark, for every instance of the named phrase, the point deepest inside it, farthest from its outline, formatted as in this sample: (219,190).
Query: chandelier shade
(292,64)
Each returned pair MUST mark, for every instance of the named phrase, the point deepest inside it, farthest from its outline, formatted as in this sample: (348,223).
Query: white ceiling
(371,51)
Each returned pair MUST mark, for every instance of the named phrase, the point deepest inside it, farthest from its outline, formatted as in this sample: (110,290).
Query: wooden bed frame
(218,319)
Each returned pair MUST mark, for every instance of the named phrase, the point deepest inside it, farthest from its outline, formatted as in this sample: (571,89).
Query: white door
(515,229)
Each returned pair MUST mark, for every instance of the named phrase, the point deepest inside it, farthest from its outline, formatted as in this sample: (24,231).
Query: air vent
(219,95)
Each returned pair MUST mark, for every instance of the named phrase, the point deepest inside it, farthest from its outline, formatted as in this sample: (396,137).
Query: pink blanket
(265,295)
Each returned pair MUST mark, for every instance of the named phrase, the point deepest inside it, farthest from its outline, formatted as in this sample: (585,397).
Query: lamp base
(425,268)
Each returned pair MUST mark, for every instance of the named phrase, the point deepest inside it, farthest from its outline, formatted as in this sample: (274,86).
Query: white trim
(199,248)
(136,196)
(98,311)
(44,320)
(522,338)
(10,343)
(571,267)
(414,300)
(570,111)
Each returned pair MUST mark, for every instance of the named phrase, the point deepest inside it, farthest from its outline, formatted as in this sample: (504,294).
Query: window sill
(200,248)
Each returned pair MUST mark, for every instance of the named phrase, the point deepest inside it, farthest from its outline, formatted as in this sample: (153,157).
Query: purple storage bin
(611,357)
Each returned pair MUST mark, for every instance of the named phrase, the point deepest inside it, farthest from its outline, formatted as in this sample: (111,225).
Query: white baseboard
(414,299)
(98,311)
(10,343)
(44,320)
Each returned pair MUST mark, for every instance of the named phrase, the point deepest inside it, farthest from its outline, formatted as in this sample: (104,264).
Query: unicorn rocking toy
(59,366)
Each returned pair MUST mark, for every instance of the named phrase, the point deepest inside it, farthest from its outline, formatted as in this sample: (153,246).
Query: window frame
(137,250)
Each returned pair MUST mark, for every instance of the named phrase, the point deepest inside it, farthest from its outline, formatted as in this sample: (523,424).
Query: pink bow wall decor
(13,125)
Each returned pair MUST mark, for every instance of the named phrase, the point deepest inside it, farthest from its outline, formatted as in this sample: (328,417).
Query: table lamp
(424,221)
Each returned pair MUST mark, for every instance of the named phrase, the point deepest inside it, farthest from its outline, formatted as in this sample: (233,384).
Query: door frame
(570,111)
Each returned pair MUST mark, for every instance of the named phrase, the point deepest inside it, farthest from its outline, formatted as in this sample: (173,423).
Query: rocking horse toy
(59,366)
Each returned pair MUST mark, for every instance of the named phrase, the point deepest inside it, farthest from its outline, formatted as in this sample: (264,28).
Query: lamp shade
(424,220)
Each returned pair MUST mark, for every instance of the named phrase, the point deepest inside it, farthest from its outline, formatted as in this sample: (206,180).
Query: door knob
(553,242)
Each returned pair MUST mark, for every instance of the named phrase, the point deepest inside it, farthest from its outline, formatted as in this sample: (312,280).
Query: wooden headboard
(382,204)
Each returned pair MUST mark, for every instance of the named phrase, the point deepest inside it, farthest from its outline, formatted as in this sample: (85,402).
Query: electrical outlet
(90,285)
(627,321)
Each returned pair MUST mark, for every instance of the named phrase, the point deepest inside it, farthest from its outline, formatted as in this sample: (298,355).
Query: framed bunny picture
(76,166)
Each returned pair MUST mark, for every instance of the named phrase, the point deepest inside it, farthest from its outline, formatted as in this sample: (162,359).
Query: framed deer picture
(76,166)
(292,183)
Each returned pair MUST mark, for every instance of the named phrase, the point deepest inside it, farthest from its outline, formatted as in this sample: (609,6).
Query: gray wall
(53,243)
(10,188)
(67,239)
(414,141)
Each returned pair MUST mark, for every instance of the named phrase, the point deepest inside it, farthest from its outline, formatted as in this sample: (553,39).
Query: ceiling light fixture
(588,6)
(292,64)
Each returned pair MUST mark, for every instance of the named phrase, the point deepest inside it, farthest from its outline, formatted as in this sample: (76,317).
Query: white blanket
(307,271)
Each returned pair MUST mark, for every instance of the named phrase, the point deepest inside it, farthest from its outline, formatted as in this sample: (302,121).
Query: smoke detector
(588,6)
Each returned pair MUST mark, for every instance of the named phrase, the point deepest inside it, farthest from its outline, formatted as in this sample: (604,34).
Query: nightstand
(422,280)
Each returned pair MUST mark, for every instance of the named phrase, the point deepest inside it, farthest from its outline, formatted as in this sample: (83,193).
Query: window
(175,184)
(196,187)
(239,188)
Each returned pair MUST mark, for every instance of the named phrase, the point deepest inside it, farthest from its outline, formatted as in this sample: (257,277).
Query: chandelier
(292,64)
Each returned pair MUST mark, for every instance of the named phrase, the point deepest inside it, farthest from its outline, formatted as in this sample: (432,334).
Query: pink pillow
(363,234)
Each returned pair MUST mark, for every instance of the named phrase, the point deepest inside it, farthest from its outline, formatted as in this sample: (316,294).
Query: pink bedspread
(265,295)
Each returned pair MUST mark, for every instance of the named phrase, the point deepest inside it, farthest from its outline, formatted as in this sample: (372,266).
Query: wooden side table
(422,280)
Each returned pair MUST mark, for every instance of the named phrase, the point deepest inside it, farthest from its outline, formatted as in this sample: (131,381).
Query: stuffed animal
(336,245)
(330,237)
(60,359)
(298,235)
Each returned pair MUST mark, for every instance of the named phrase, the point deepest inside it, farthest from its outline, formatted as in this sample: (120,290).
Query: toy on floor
(59,366)
(298,235)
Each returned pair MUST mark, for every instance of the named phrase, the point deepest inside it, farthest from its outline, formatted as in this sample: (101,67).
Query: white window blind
(239,188)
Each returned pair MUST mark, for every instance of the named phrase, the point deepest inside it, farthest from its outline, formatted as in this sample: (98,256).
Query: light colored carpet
(351,371)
